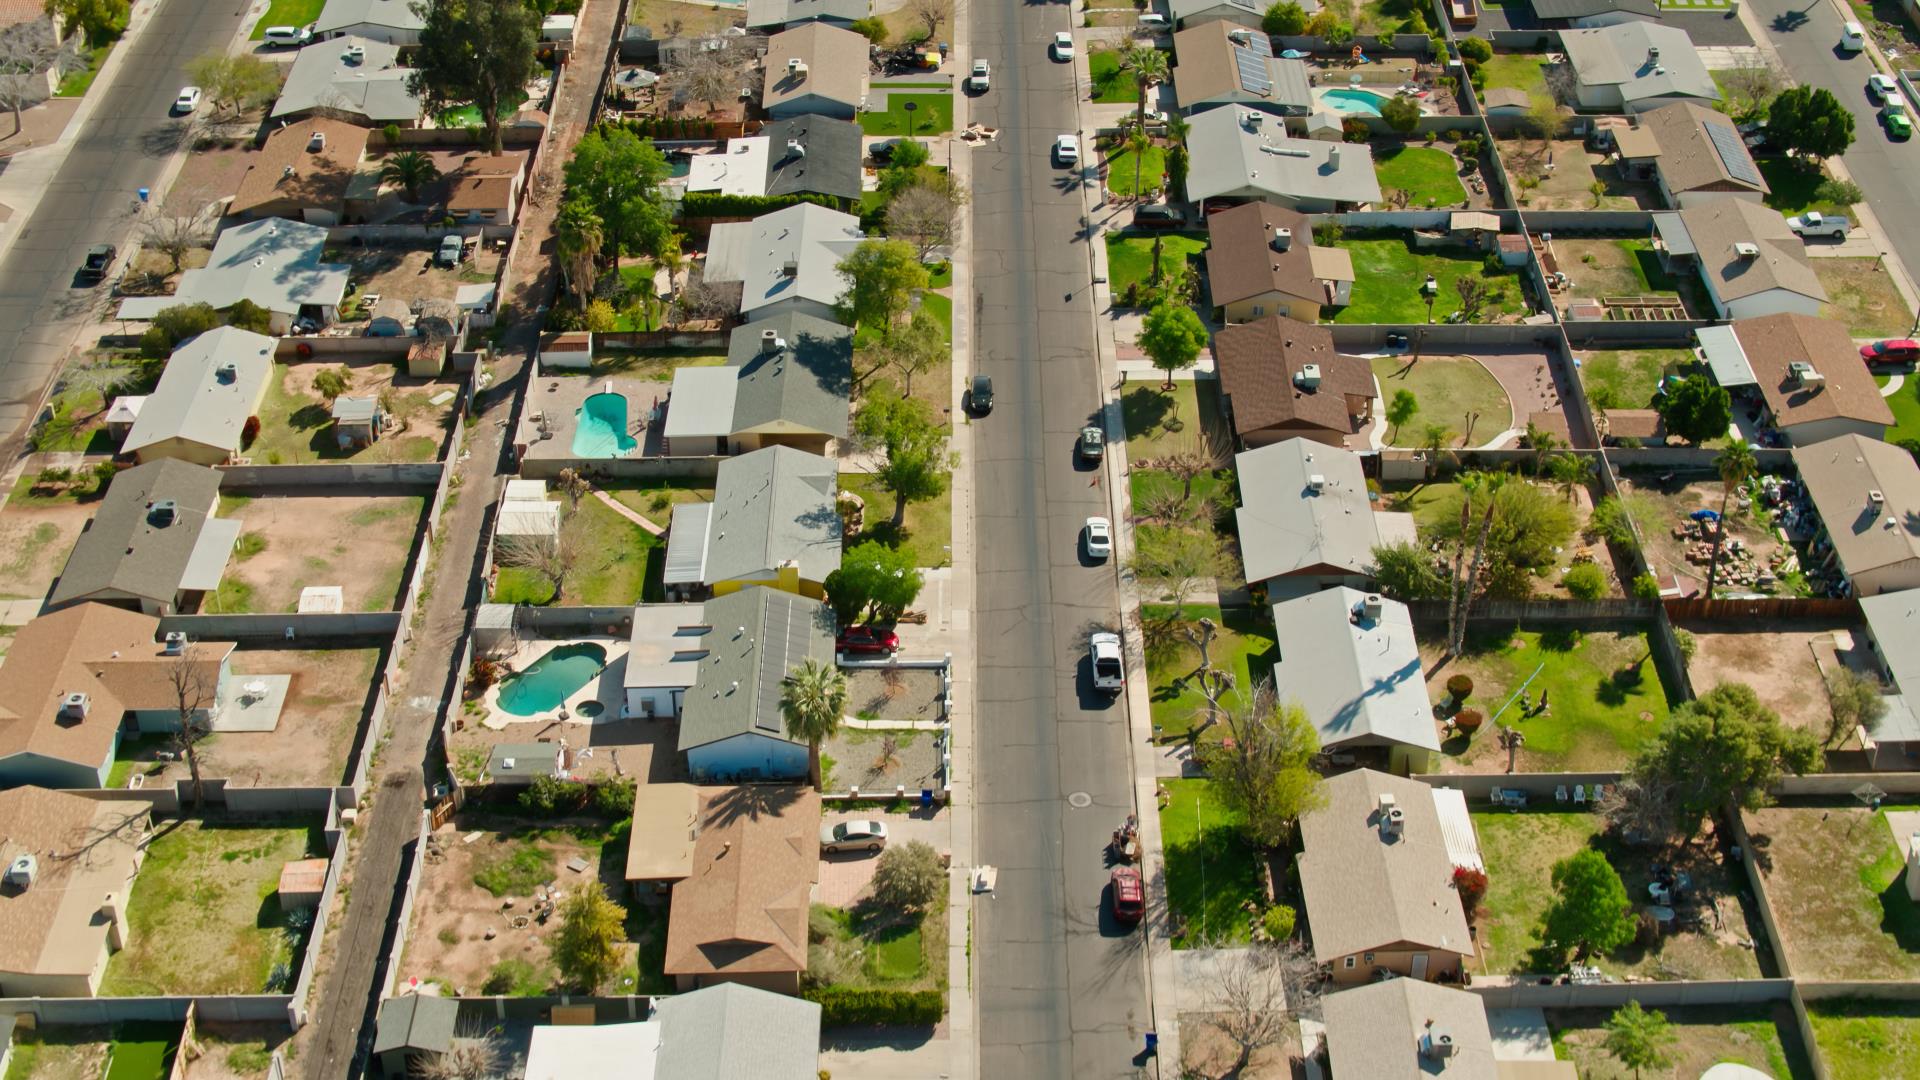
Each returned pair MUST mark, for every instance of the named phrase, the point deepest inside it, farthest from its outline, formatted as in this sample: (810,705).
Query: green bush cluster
(713,204)
(859,1006)
(553,797)
(667,127)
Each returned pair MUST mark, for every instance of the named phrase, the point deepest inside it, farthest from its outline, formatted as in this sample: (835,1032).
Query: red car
(1891,351)
(1129,894)
(869,639)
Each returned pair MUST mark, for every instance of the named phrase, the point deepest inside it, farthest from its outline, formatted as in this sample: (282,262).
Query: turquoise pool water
(549,681)
(602,430)
(1362,102)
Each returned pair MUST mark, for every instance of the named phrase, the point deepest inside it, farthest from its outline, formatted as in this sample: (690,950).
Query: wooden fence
(1772,607)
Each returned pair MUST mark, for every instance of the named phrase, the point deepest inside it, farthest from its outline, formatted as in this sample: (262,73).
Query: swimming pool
(1360,102)
(601,430)
(548,682)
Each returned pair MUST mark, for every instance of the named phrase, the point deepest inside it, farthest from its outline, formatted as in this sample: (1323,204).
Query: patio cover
(1673,234)
(1395,527)
(702,402)
(687,544)
(208,563)
(1463,847)
(624,1050)
(1721,349)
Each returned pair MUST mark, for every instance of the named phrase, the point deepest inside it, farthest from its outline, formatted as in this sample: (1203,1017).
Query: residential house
(1261,260)
(1224,63)
(1241,155)
(815,70)
(154,545)
(351,78)
(772,15)
(520,764)
(1379,837)
(485,189)
(391,22)
(730,723)
(788,260)
(1405,1029)
(199,410)
(728,1031)
(15,12)
(302,173)
(1281,379)
(739,915)
(807,155)
(1305,520)
(664,651)
(411,1033)
(1583,14)
(1893,625)
(786,383)
(1350,660)
(1635,66)
(1245,13)
(564,1051)
(1696,155)
(80,858)
(772,521)
(1867,494)
(274,263)
(357,421)
(76,678)
(1751,263)
(1807,372)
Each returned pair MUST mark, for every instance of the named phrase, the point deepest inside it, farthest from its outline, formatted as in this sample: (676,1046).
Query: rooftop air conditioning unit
(1308,377)
(796,148)
(1282,239)
(1371,606)
(75,706)
(1251,120)
(1394,821)
(791,268)
(797,67)
(162,512)
(1804,374)
(1746,250)
(176,643)
(1316,482)
(226,372)
(317,141)
(1437,1043)
(354,54)
(22,871)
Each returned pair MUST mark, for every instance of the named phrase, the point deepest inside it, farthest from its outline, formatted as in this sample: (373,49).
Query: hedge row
(667,127)
(713,204)
(851,1006)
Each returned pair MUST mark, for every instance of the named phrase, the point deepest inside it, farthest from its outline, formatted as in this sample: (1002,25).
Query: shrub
(1474,48)
(1645,587)
(1460,687)
(514,977)
(174,325)
(1355,131)
(707,204)
(516,871)
(1839,192)
(1278,922)
(821,925)
(249,431)
(909,876)
(553,796)
(1468,720)
(482,676)
(614,798)
(1472,886)
(1585,581)
(858,1006)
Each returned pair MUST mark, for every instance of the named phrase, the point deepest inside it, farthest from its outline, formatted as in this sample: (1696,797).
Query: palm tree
(410,169)
(1177,128)
(578,238)
(1434,439)
(1138,142)
(813,698)
(1567,472)
(1149,67)
(1736,465)
(1471,484)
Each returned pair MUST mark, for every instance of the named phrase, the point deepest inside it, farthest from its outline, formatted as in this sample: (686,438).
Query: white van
(1853,37)
(1154,22)
(287,36)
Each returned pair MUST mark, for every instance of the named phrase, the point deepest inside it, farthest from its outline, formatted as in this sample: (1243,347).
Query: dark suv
(980,397)
(1157,216)
(98,261)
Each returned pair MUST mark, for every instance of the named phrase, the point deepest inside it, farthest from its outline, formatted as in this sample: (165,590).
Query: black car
(1157,216)
(98,261)
(980,397)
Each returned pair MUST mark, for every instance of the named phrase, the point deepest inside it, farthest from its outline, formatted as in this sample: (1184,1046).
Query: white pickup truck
(1814,223)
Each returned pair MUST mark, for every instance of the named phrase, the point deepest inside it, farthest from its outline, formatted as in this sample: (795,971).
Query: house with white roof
(664,651)
(392,22)
(1305,520)
(1635,66)
(209,388)
(788,260)
(351,78)
(1240,154)
(1349,659)
(274,263)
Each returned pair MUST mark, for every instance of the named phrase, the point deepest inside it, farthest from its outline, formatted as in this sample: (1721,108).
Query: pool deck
(556,400)
(609,688)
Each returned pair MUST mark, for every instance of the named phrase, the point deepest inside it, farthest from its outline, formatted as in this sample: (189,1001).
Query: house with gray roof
(1240,154)
(776,14)
(1635,66)
(412,1031)
(520,764)
(272,262)
(155,545)
(1563,14)
(786,383)
(1224,63)
(1406,1029)
(1867,494)
(1245,13)
(728,1031)
(209,388)
(393,22)
(788,260)
(730,723)
(807,155)
(1750,261)
(1893,625)
(349,78)
(1305,520)
(772,521)
(1350,660)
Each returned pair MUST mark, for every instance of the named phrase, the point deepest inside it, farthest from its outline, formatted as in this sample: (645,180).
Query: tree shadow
(1145,408)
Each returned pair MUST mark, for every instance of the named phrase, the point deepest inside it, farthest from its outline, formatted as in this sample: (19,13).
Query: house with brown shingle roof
(1867,493)
(739,915)
(61,927)
(485,189)
(816,69)
(1281,378)
(302,172)
(1750,261)
(1809,373)
(73,677)
(1694,153)
(1221,63)
(1261,260)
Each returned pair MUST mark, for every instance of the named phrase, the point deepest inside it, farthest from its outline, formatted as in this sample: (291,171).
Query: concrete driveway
(844,877)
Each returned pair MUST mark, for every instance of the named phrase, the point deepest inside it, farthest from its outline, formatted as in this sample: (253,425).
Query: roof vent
(176,643)
(1877,498)
(161,513)
(769,340)
(22,871)
(317,141)
(796,148)
(1317,482)
(1308,377)
(790,268)
(75,706)
(1746,250)
(1282,239)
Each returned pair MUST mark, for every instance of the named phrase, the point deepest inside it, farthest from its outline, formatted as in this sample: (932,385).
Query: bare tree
(924,215)
(931,13)
(700,302)
(173,235)
(1180,560)
(1248,1004)
(574,486)
(27,51)
(476,1055)
(1474,293)
(710,75)
(1190,462)
(1214,682)
(1639,810)
(554,559)
(1749,89)
(195,686)
(235,84)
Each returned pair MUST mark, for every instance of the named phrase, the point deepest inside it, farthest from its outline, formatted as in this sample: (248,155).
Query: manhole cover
(1079,800)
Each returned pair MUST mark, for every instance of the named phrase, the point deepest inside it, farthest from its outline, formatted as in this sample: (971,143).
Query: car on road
(1066,149)
(98,260)
(1157,216)
(1129,894)
(287,37)
(853,836)
(980,395)
(982,75)
(1092,444)
(452,250)
(1109,671)
(1882,87)
(868,640)
(1853,37)
(1063,45)
(188,100)
(1891,351)
(1815,223)
(1099,538)
(1898,120)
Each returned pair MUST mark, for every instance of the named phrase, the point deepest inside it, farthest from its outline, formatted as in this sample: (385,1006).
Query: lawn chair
(1599,792)
(1560,793)
(1579,794)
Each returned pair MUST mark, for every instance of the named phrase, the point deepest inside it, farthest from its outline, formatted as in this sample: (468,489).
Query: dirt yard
(1668,504)
(1568,185)
(408,273)
(898,694)
(290,542)
(1780,664)
(34,544)
(297,424)
(1206,1051)
(233,1051)
(647,750)
(1834,878)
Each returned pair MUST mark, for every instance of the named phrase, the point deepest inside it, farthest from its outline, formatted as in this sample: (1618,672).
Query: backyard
(616,562)
(1628,378)
(1604,267)
(1776,659)
(296,423)
(1213,874)
(1569,184)
(1866,1040)
(1130,258)
(1517,71)
(1662,504)
(131,1051)
(1449,390)
(931,114)
(1242,645)
(1388,273)
(656,365)
(204,912)
(1834,879)
(1520,850)
(1604,697)
(1862,295)
(288,543)
(1430,177)
(927,530)
(655,500)
(1758,1036)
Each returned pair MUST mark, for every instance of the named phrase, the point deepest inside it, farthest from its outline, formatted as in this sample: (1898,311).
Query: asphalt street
(1061,989)
(124,147)
(1806,33)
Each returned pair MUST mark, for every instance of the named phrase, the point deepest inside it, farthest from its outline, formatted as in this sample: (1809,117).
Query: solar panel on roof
(1733,154)
(1253,71)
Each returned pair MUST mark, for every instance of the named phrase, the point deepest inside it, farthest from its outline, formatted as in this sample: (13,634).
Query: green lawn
(133,751)
(927,530)
(1112,84)
(932,115)
(1243,645)
(1628,378)
(1388,274)
(288,13)
(297,430)
(1431,177)
(655,500)
(1160,422)
(1517,71)
(132,1051)
(619,563)
(1210,488)
(1121,179)
(1866,1040)
(76,83)
(1130,256)
(1861,294)
(868,947)
(1212,872)
(1905,403)
(1447,389)
(78,424)
(1792,183)
(468,116)
(1836,879)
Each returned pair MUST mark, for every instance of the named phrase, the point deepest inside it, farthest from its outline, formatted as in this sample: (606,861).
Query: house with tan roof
(1867,493)
(1222,63)
(1750,262)
(485,189)
(1405,1029)
(1379,840)
(155,545)
(815,70)
(1281,378)
(1695,154)
(75,679)
(1261,260)
(302,173)
(80,857)
(198,411)
(1806,371)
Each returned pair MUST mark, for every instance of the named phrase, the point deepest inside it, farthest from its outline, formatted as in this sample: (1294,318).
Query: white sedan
(1882,87)
(982,75)
(188,100)
(1099,538)
(1063,45)
(1066,149)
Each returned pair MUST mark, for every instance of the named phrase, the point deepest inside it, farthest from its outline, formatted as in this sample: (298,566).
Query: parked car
(1882,87)
(1853,37)
(188,100)
(98,260)
(1063,45)
(1815,223)
(1066,149)
(1109,671)
(868,640)
(982,74)
(1899,121)
(1891,351)
(980,396)
(1099,538)
(1157,216)
(1153,22)
(853,836)
(287,37)
(453,249)
(1129,894)
(1092,445)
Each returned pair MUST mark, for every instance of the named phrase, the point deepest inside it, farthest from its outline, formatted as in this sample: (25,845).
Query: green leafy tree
(474,52)
(1639,1038)
(1736,465)
(578,238)
(1265,771)
(247,315)
(1400,410)
(813,700)
(873,581)
(1404,570)
(234,84)
(882,276)
(330,383)
(587,947)
(1590,914)
(908,164)
(915,464)
(914,347)
(1696,409)
(1479,50)
(1855,700)
(411,170)
(100,20)
(1585,581)
(1172,337)
(1646,587)
(1725,747)
(873,28)
(1284,19)
(1401,113)
(617,174)
(909,877)
(1811,122)
(173,325)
